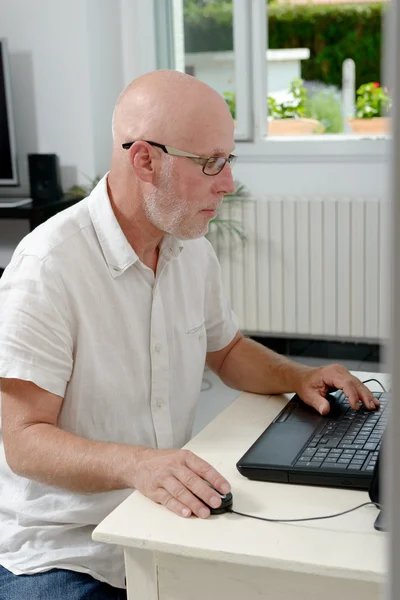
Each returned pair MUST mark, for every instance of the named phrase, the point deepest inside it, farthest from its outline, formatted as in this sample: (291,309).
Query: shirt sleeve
(221,322)
(35,339)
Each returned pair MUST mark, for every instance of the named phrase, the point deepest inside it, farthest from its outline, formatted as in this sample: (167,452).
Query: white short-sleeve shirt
(83,318)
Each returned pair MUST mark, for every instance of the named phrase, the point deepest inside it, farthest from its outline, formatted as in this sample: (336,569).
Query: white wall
(106,74)
(315,178)
(323,167)
(50,83)
(66,71)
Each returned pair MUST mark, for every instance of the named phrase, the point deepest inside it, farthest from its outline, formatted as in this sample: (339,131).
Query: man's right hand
(63,459)
(175,477)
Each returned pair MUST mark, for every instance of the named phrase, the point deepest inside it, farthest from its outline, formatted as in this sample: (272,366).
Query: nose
(226,181)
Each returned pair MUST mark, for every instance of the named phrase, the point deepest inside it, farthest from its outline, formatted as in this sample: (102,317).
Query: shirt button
(158,347)
(159,403)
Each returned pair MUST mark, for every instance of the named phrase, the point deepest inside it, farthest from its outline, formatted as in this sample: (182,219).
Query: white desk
(228,557)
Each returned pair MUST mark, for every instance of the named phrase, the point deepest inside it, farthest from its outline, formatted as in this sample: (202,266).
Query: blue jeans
(54,585)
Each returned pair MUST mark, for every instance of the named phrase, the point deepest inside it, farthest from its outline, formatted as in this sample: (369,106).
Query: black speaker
(44,178)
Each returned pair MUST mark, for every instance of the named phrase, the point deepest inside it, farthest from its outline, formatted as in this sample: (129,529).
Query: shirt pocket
(194,350)
(195,341)
(196,329)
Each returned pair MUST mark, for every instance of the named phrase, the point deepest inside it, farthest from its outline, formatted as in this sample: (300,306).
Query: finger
(319,403)
(351,393)
(181,493)
(376,401)
(199,487)
(356,391)
(367,397)
(166,499)
(207,472)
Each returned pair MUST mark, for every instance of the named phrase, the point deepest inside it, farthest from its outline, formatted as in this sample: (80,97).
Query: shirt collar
(117,251)
(170,247)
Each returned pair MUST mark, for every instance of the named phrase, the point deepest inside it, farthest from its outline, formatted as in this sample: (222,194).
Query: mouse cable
(377,381)
(307,518)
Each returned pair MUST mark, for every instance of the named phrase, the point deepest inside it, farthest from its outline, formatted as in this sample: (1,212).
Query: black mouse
(226,502)
(331,394)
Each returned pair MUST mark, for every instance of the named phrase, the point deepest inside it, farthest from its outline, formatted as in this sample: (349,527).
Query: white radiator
(315,268)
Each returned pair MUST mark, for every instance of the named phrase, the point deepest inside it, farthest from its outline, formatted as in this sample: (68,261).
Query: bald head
(155,192)
(171,108)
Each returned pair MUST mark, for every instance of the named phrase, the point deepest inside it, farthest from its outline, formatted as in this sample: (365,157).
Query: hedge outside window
(332,33)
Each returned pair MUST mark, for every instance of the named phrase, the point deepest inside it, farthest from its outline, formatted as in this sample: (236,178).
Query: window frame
(250,31)
(242,49)
(265,148)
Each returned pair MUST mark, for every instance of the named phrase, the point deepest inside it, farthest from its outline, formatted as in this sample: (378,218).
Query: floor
(215,396)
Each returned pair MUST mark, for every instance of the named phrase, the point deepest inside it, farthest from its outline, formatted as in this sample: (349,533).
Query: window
(217,39)
(225,42)
(325,51)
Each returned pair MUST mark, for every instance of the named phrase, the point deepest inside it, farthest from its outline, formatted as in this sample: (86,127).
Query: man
(108,313)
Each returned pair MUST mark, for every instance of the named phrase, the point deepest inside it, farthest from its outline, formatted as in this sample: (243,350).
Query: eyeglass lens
(215,164)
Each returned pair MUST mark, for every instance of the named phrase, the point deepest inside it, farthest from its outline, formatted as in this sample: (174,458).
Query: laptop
(301,446)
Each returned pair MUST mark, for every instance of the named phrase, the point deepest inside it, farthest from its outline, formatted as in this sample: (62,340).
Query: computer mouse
(226,502)
(331,394)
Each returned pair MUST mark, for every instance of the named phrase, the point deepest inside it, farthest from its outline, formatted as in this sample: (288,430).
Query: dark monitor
(8,164)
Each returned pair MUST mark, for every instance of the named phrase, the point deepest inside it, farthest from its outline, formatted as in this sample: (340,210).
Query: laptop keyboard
(351,441)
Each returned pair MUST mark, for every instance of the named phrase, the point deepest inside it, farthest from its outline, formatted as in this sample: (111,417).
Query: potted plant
(288,118)
(372,106)
(325,105)
(285,118)
(79,192)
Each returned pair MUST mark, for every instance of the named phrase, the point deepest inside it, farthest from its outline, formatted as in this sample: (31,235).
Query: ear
(143,161)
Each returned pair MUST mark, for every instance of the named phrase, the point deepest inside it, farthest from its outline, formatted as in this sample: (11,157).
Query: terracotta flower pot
(292,126)
(375,125)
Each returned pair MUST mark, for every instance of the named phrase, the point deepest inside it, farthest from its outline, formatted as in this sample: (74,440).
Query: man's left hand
(314,383)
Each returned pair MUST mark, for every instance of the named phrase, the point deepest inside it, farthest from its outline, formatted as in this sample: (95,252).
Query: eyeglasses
(211,165)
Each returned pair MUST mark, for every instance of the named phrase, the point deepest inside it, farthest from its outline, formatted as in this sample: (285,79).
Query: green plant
(372,101)
(227,225)
(332,32)
(326,107)
(80,191)
(293,108)
(230,98)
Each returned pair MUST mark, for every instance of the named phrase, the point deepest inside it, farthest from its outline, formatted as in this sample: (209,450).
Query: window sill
(339,148)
